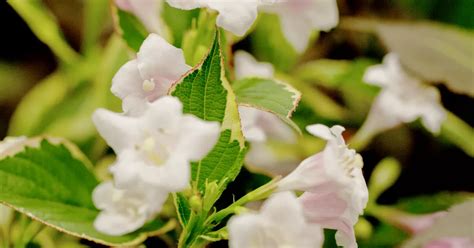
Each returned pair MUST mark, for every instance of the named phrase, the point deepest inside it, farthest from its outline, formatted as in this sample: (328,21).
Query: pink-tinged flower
(299,18)
(126,210)
(335,192)
(279,223)
(450,242)
(416,223)
(403,99)
(157,146)
(234,16)
(147,11)
(144,79)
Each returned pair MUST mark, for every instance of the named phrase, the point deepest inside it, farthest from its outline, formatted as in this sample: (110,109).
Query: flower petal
(235,16)
(198,137)
(325,14)
(297,31)
(245,231)
(173,176)
(184,4)
(117,224)
(148,11)
(309,174)
(163,114)
(119,131)
(127,81)
(247,66)
(162,62)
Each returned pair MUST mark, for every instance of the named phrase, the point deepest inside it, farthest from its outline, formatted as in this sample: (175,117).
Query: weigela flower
(279,223)
(299,18)
(403,98)
(415,223)
(144,79)
(157,146)
(125,210)
(335,192)
(147,11)
(234,16)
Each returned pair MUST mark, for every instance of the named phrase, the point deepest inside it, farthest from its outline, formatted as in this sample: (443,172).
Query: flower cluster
(334,195)
(298,18)
(154,141)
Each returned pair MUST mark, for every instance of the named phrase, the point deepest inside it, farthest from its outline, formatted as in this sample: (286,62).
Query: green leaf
(45,27)
(183,208)
(132,30)
(206,93)
(270,95)
(47,183)
(435,52)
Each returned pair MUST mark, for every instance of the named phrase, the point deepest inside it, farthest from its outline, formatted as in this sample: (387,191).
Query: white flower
(299,18)
(125,210)
(279,224)
(147,11)
(403,98)
(246,65)
(144,79)
(234,16)
(335,189)
(157,146)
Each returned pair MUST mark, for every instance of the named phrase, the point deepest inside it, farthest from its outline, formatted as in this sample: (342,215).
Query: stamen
(148,85)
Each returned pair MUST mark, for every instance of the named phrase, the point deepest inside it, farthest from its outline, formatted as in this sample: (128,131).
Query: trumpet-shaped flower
(147,11)
(403,98)
(157,146)
(280,223)
(144,79)
(335,189)
(125,210)
(299,18)
(234,16)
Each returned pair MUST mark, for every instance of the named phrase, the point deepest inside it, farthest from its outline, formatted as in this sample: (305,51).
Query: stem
(258,194)
(361,138)
(33,229)
(458,132)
